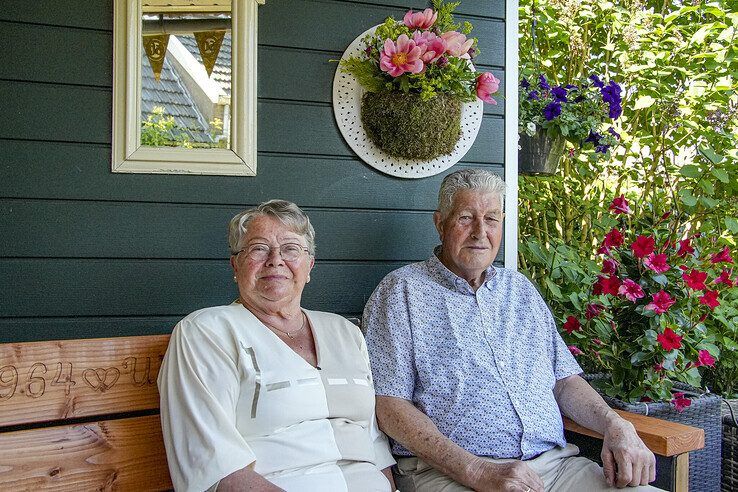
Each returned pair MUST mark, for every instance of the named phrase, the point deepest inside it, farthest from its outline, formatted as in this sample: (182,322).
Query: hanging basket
(403,125)
(539,154)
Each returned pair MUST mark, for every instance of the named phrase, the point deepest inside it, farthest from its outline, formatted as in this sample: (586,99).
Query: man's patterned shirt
(482,365)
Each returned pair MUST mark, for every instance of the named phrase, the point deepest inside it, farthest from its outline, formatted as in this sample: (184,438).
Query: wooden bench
(84,415)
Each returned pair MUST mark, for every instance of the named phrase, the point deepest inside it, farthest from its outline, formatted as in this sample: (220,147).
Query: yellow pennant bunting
(209,44)
(156,49)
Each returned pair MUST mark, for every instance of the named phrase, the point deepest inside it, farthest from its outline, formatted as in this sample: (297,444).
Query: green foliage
(160,130)
(445,21)
(723,377)
(365,72)
(678,66)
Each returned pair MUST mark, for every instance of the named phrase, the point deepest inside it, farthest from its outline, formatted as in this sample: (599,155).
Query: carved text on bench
(99,379)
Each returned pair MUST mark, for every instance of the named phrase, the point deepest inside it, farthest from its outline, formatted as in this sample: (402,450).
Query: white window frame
(511,134)
(129,156)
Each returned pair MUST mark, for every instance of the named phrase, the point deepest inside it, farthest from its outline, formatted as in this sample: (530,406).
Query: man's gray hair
(286,212)
(468,179)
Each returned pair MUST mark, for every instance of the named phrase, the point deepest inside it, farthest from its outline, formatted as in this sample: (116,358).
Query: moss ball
(403,125)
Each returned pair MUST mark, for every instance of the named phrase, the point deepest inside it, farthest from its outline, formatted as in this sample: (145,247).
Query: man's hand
(625,459)
(515,476)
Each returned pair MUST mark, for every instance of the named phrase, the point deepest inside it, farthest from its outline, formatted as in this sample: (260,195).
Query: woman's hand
(246,479)
(388,473)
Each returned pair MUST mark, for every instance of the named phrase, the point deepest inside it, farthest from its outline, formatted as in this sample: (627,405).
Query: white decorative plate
(347,93)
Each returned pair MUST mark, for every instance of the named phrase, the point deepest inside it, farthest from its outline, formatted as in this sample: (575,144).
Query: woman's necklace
(290,334)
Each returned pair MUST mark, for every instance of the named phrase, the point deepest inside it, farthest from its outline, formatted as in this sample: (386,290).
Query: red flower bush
(572,324)
(669,340)
(680,402)
(642,319)
(619,205)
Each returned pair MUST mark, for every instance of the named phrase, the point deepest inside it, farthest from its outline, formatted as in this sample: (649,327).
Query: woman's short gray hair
(468,179)
(286,212)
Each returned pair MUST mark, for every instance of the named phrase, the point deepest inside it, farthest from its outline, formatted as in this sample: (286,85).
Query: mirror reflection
(186,79)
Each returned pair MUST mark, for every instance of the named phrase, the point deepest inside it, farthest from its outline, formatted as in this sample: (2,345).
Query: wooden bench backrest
(93,382)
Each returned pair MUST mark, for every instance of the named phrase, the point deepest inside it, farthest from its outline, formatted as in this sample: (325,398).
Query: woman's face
(263,282)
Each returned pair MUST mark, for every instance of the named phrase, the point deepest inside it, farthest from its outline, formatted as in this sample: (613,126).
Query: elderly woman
(262,394)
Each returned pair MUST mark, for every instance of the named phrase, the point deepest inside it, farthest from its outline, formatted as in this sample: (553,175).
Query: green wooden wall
(87,253)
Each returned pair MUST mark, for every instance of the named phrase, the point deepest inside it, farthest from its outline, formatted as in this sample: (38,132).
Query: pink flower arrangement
(487,85)
(403,57)
(420,20)
(457,44)
(426,53)
(642,319)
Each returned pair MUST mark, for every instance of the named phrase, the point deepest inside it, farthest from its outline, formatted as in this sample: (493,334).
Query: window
(215,131)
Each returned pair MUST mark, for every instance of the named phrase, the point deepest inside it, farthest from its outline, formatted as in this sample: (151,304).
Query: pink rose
(487,85)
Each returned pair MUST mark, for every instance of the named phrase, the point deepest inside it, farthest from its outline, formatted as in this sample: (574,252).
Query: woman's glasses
(260,251)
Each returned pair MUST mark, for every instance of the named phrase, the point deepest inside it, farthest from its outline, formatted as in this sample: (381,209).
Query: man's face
(471,234)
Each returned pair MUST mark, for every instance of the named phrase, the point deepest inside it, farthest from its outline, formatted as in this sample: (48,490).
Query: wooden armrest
(662,437)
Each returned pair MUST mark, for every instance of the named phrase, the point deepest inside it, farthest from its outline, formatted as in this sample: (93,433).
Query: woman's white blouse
(233,394)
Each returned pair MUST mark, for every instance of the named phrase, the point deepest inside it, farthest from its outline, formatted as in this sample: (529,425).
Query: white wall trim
(128,156)
(511,134)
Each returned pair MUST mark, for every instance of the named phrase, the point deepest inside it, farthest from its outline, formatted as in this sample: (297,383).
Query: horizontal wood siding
(88,253)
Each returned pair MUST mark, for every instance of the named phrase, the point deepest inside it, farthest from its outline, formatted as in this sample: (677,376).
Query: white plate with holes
(347,94)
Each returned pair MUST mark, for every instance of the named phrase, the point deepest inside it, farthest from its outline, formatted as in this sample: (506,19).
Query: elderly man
(471,375)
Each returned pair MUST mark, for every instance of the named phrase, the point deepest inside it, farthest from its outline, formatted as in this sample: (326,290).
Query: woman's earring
(235,279)
(308,280)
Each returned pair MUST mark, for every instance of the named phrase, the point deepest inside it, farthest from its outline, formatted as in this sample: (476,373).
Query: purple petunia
(552,110)
(593,137)
(602,149)
(543,83)
(533,96)
(596,81)
(611,93)
(612,132)
(559,94)
(524,83)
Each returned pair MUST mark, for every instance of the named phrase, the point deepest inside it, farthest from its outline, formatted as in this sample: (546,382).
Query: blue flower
(612,132)
(596,81)
(593,137)
(543,83)
(552,110)
(570,87)
(611,93)
(602,149)
(559,94)
(615,111)
(524,83)
(533,96)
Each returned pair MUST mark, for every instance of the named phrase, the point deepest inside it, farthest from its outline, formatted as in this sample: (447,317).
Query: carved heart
(100,379)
